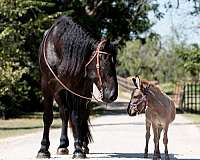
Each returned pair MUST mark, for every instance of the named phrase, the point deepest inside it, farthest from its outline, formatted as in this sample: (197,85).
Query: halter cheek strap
(134,106)
(97,53)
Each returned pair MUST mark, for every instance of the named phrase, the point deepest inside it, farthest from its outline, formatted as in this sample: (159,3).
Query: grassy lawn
(32,122)
(193,117)
(21,126)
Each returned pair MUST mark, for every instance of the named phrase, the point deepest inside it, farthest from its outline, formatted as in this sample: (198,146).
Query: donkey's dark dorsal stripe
(64,52)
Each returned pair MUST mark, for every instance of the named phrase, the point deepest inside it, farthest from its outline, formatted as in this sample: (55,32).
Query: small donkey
(160,112)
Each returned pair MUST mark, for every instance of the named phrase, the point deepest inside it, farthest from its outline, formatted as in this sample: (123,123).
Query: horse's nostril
(112,98)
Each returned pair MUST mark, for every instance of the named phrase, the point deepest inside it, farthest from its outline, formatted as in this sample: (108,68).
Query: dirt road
(116,136)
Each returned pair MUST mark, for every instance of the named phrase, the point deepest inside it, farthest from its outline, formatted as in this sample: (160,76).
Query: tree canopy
(23,23)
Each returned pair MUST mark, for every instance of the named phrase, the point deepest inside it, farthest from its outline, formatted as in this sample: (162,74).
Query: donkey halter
(143,99)
(97,52)
(135,105)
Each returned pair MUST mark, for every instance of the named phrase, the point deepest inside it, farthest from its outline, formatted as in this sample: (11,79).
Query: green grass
(32,122)
(21,126)
(193,117)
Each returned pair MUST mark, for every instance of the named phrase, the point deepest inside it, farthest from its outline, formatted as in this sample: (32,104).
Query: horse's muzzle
(111,96)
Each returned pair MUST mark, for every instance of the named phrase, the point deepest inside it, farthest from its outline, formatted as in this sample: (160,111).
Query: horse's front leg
(61,99)
(47,119)
(87,137)
(76,123)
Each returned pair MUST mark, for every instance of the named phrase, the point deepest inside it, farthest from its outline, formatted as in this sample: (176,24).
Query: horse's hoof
(145,155)
(43,154)
(79,155)
(156,156)
(86,150)
(62,151)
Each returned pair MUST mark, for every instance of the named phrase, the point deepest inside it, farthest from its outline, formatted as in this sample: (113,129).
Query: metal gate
(191,97)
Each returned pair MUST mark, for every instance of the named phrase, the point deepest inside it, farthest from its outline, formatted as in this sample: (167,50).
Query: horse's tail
(89,135)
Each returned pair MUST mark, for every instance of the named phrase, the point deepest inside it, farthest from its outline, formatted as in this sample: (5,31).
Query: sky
(180,19)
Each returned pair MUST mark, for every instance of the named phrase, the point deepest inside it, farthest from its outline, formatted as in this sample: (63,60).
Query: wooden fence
(186,96)
(125,84)
(191,97)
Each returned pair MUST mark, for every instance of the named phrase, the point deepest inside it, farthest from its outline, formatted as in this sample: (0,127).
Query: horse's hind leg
(47,119)
(165,141)
(61,99)
(148,126)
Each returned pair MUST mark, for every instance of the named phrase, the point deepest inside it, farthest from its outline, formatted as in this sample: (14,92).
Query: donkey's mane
(78,44)
(146,82)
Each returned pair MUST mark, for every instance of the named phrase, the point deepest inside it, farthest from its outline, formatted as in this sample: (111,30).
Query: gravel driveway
(116,136)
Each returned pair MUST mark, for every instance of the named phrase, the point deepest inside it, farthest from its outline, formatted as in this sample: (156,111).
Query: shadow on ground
(132,155)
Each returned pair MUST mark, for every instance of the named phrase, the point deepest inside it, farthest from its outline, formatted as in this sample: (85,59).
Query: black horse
(71,60)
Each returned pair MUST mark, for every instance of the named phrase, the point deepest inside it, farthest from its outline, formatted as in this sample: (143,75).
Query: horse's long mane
(78,45)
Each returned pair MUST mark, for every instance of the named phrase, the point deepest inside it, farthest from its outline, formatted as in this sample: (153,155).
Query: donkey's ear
(136,82)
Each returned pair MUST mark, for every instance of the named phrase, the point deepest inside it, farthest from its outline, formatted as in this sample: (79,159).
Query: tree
(151,61)
(190,54)
(22,24)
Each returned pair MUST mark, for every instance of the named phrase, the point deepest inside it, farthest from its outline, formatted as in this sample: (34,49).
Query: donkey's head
(138,99)
(101,69)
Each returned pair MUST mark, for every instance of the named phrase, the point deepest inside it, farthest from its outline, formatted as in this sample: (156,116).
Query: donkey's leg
(165,141)
(76,123)
(47,119)
(61,99)
(148,126)
(159,133)
(156,142)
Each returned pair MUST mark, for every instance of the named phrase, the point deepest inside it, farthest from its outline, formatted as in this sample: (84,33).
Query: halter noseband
(96,54)
(135,105)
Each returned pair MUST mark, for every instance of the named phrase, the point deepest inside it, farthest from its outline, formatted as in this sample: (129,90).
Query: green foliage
(22,24)
(190,54)
(151,61)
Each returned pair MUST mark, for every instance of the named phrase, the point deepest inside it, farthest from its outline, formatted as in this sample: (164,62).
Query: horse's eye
(104,57)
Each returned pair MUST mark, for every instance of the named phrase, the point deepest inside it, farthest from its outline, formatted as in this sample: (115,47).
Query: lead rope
(55,76)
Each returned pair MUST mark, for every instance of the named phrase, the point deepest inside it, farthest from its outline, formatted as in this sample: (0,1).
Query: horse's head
(138,100)
(101,69)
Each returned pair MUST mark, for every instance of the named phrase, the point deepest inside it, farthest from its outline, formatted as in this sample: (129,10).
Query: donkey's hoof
(79,155)
(167,157)
(62,151)
(145,155)
(43,154)
(86,150)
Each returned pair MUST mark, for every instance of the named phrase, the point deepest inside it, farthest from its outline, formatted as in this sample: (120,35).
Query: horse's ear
(136,82)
